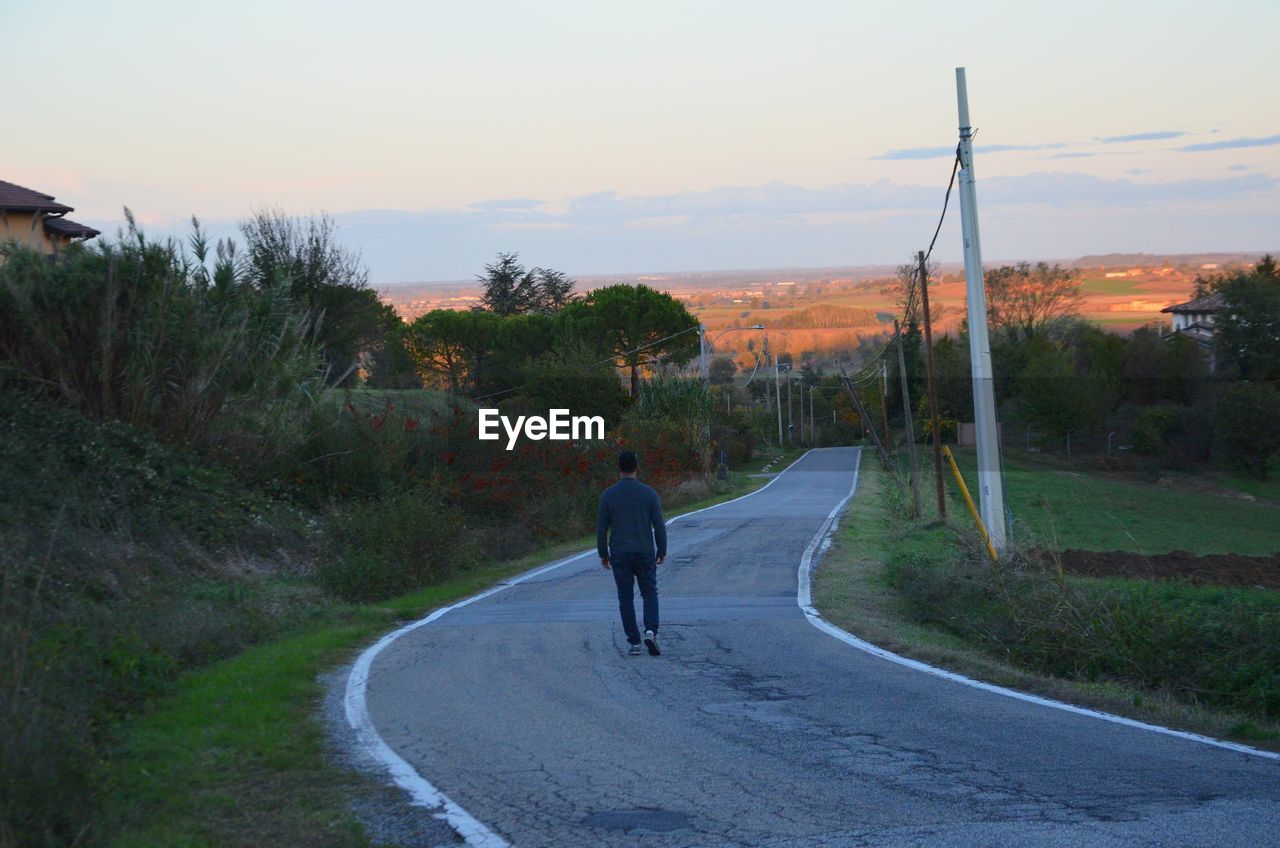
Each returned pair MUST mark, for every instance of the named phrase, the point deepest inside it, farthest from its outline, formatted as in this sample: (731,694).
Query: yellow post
(973,510)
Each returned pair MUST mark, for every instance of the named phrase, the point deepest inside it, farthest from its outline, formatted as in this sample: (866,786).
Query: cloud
(770,201)
(1063,189)
(1238,167)
(507,203)
(778,224)
(942,152)
(1159,135)
(918,153)
(1138,171)
(1231,144)
(1079,155)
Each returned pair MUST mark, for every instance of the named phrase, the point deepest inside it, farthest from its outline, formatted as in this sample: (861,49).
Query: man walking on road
(628,526)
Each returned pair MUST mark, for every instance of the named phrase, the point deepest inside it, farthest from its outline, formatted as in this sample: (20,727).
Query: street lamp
(704,346)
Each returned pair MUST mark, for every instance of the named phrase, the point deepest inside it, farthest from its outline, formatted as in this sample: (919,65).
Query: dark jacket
(631,510)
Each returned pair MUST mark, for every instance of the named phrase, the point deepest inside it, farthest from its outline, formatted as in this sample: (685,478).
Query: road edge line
(356,707)
(804,599)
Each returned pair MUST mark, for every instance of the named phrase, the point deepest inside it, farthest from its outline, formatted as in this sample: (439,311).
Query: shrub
(395,544)
(1152,428)
(1206,645)
(1249,425)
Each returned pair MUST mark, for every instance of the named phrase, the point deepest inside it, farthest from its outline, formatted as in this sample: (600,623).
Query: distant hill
(1147,260)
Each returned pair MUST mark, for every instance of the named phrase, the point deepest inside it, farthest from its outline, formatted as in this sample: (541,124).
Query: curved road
(757,729)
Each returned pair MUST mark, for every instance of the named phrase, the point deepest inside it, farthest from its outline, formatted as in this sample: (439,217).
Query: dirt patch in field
(1210,570)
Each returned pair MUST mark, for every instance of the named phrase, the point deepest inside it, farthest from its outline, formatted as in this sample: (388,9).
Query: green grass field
(1062,508)
(1113,286)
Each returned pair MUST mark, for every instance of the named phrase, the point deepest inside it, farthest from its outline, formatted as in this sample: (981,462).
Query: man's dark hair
(627,462)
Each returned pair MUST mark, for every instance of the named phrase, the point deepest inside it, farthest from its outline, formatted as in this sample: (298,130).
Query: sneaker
(651,642)
(634,650)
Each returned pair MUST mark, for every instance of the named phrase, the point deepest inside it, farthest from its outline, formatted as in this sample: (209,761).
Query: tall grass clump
(671,424)
(159,335)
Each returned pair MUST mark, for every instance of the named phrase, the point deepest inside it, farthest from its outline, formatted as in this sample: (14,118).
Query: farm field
(1121,293)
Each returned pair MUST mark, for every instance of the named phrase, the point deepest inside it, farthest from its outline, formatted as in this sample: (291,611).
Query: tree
(905,291)
(1051,393)
(452,348)
(518,341)
(635,325)
(391,366)
(1247,328)
(722,371)
(1163,368)
(1024,299)
(1143,366)
(511,289)
(508,288)
(303,257)
(1247,419)
(555,289)
(575,379)
(955,382)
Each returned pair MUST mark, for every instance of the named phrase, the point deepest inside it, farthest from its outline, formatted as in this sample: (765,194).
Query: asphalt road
(757,729)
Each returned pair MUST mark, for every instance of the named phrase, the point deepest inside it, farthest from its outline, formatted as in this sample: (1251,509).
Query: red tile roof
(69,229)
(19,199)
(1211,302)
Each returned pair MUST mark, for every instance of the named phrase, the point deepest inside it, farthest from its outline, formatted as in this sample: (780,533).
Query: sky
(609,138)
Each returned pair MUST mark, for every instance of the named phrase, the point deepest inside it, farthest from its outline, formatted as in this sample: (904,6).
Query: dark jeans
(629,569)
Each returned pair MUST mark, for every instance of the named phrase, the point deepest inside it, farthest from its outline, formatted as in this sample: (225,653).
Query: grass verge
(896,583)
(236,756)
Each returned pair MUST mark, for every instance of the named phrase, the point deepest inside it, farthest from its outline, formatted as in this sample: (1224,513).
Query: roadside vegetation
(223,460)
(213,449)
(1195,651)
(1143,574)
(234,755)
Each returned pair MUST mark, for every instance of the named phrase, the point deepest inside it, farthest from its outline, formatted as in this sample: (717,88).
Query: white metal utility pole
(990,490)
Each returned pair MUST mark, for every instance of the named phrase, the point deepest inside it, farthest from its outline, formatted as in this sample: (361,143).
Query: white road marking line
(356,705)
(805,601)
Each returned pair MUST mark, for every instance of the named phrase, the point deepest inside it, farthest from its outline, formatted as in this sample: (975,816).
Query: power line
(856,379)
(955,166)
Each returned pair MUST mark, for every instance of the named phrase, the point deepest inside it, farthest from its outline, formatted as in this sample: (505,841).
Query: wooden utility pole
(813,430)
(934,423)
(777,401)
(768,395)
(802,441)
(908,424)
(791,428)
(866,423)
(884,403)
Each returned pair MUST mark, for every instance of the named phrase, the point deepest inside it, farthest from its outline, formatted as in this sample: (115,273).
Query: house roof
(69,229)
(20,199)
(1208,303)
